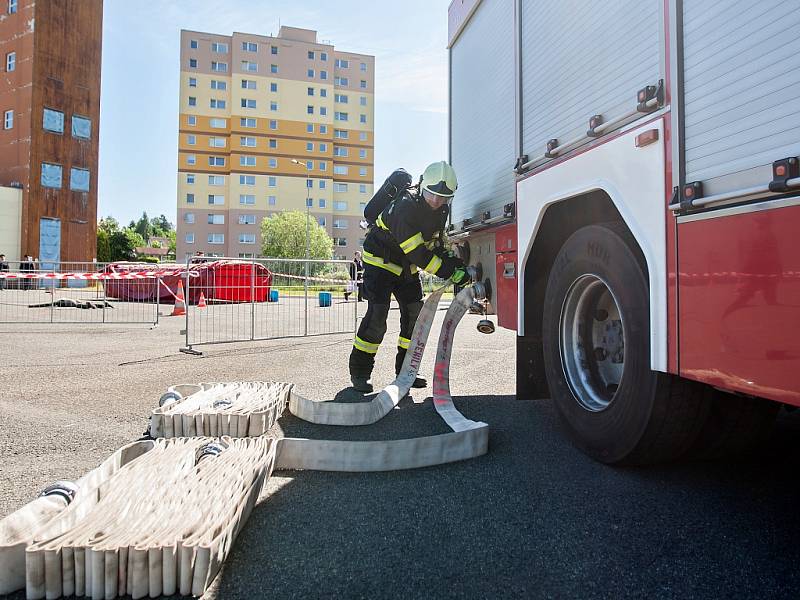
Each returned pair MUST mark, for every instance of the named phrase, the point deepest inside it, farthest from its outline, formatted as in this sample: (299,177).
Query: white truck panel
(634,180)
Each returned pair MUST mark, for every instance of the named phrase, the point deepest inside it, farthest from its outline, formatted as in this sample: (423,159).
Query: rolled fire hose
(109,542)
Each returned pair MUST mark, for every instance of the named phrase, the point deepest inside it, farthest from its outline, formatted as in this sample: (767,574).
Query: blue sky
(140,75)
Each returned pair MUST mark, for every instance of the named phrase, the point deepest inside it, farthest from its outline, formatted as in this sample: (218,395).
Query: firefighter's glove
(461,277)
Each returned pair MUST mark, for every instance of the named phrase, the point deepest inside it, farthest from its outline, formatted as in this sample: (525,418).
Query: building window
(323,93)
(363,67)
(216,199)
(323,56)
(273,68)
(189,198)
(273,124)
(191,159)
(322,184)
(309,146)
(340,170)
(219,67)
(321,221)
(340,98)
(247,179)
(216,180)
(247,199)
(362,153)
(273,143)
(340,116)
(309,202)
(273,163)
(362,118)
(247,219)
(310,73)
(273,87)
(191,139)
(247,141)
(216,219)
(192,101)
(362,136)
(218,123)
(342,134)
(310,91)
(248,122)
(340,223)
(192,63)
(249,66)
(53,120)
(310,165)
(12,6)
(247,238)
(339,241)
(323,129)
(79,179)
(189,238)
(322,202)
(191,120)
(248,84)
(309,128)
(193,44)
(272,181)
(216,238)
(247,161)
(310,55)
(272,200)
(362,188)
(216,161)
(340,188)
(273,50)
(248,103)
(190,178)
(8,119)
(363,84)
(220,47)
(250,47)
(323,166)
(323,147)
(188,218)
(362,171)
(51,176)
(273,106)
(219,85)
(323,110)
(309,183)
(340,151)
(215,103)
(323,75)
(246,255)
(363,100)
(193,82)
(362,206)
(341,63)
(343,81)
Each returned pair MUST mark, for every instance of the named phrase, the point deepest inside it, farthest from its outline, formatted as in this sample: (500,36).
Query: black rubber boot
(361,384)
(420,382)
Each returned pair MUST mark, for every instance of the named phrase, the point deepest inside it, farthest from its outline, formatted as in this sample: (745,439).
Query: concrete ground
(532,518)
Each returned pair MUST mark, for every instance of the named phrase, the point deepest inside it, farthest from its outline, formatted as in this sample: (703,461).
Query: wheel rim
(592,342)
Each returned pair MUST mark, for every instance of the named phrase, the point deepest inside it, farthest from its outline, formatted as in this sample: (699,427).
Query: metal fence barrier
(237,300)
(76,292)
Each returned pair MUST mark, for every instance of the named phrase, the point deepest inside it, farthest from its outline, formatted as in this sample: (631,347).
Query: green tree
(142,227)
(284,236)
(123,244)
(160,226)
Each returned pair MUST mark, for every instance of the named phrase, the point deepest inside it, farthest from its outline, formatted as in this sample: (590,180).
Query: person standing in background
(3,269)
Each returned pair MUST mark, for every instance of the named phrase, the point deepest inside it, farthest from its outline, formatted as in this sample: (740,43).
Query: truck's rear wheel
(596,337)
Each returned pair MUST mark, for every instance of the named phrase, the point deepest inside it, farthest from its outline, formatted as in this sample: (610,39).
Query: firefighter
(407,235)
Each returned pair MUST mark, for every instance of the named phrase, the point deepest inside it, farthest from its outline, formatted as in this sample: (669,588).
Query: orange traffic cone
(202,302)
(180,302)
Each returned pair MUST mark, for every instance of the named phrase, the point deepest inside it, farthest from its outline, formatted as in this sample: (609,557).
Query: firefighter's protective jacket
(405,237)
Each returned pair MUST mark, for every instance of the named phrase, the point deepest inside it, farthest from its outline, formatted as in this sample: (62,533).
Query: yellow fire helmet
(440,178)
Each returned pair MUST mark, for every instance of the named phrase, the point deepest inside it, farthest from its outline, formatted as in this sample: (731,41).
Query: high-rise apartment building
(50,102)
(250,105)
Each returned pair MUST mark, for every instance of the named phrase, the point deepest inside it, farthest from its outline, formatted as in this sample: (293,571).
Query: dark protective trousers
(379,286)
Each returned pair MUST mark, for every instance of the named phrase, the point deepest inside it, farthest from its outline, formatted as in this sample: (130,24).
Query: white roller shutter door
(482,111)
(741,85)
(584,57)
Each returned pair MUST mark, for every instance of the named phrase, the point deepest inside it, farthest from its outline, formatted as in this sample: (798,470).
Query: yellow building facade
(250,105)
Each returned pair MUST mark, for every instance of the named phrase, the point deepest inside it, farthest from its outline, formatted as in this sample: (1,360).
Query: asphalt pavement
(534,518)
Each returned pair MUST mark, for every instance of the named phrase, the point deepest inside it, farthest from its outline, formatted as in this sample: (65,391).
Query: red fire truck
(629,181)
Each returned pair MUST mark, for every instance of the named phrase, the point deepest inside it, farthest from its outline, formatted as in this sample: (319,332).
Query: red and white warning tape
(128,275)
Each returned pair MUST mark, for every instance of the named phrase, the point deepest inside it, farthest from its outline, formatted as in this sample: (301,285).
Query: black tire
(736,426)
(648,416)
